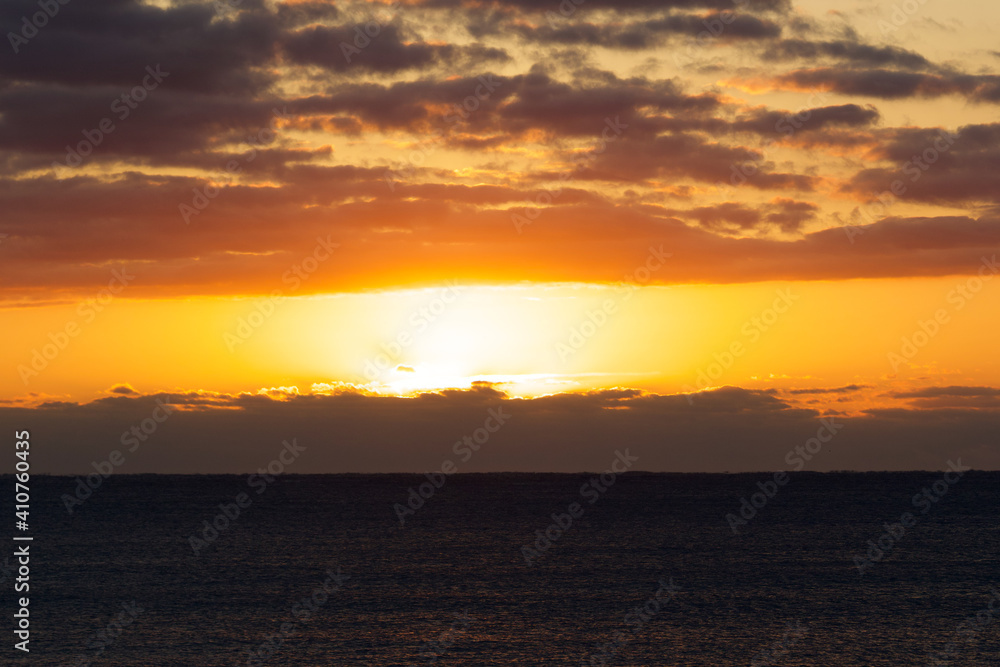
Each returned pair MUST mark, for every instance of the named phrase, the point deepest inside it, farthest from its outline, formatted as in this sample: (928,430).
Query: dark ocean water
(452,587)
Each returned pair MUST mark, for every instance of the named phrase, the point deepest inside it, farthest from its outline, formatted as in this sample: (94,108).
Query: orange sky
(535,339)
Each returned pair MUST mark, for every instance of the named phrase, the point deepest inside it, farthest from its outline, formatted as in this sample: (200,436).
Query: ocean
(511,569)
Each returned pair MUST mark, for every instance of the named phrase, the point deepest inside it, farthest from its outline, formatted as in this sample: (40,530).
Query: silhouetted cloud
(893,84)
(846,389)
(727,429)
(953,397)
(957,169)
(847,51)
(644,34)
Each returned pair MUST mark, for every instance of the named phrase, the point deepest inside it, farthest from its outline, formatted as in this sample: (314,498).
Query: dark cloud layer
(110,42)
(627,5)
(287,91)
(735,430)
(957,168)
(893,84)
(646,34)
(952,397)
(848,51)
(45,247)
(786,214)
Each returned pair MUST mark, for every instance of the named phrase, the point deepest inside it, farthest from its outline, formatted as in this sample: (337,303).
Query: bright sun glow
(530,340)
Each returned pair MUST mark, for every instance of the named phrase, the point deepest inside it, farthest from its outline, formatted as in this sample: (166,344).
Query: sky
(697,228)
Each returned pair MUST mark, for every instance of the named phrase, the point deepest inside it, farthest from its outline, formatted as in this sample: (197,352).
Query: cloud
(846,389)
(957,168)
(334,48)
(232,245)
(890,84)
(847,51)
(790,214)
(934,392)
(110,42)
(684,155)
(644,34)
(953,397)
(787,214)
(727,429)
(770,122)
(349,131)
(615,5)
(166,126)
